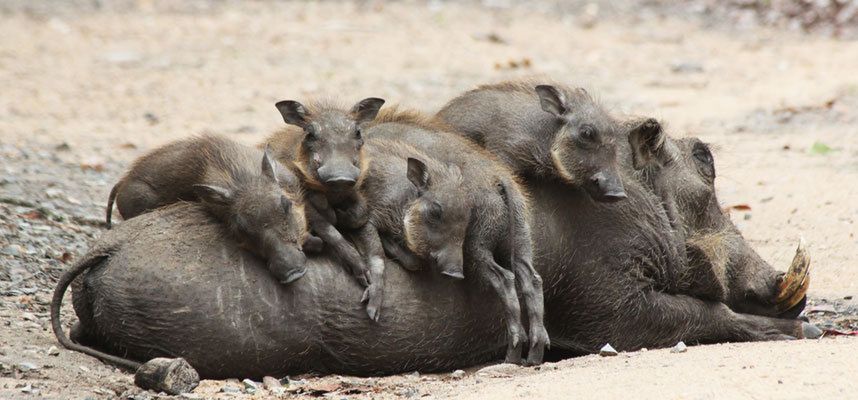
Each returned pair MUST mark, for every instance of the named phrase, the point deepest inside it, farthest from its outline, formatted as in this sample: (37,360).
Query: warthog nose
(341,182)
(608,189)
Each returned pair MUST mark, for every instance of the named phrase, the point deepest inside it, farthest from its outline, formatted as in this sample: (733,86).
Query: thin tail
(110,199)
(60,291)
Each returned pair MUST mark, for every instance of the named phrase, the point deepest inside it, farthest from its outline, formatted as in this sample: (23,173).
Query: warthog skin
(324,148)
(545,131)
(172,283)
(260,202)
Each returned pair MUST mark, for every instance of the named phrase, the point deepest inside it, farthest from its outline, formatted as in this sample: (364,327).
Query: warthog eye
(435,212)
(587,133)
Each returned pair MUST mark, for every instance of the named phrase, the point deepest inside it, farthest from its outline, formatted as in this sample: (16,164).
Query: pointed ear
(213,194)
(552,100)
(417,174)
(269,166)
(647,141)
(293,112)
(366,109)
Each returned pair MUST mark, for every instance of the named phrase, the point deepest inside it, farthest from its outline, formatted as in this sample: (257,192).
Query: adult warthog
(172,283)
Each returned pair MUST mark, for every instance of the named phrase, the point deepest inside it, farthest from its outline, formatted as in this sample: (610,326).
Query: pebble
(498,370)
(230,389)
(28,316)
(27,366)
(12,250)
(270,383)
(607,351)
(250,386)
(458,374)
(679,348)
(53,351)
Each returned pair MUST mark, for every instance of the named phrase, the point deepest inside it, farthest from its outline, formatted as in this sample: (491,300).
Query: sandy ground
(83,95)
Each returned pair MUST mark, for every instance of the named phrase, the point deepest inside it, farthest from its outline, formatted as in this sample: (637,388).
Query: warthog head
(722,265)
(264,218)
(437,221)
(330,155)
(584,151)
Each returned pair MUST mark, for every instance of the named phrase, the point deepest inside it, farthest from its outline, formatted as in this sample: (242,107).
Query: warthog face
(264,218)
(722,264)
(331,153)
(437,221)
(584,151)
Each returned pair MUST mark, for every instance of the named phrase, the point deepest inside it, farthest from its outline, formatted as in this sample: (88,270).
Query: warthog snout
(339,175)
(606,187)
(449,261)
(288,265)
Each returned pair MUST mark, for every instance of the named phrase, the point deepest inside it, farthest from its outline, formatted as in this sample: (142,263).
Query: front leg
(529,283)
(401,254)
(369,241)
(353,216)
(661,320)
(502,281)
(338,244)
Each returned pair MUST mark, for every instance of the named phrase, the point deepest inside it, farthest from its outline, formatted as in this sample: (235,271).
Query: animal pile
(447,195)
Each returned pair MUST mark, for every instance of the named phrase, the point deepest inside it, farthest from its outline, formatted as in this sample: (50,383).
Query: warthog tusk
(793,286)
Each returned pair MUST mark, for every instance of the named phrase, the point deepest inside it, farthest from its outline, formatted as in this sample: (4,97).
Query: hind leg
(502,281)
(135,198)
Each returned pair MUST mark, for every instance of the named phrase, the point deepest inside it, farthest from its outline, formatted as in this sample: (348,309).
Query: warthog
(544,131)
(327,156)
(604,267)
(227,178)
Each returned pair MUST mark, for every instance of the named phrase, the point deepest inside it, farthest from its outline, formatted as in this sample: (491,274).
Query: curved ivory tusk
(793,286)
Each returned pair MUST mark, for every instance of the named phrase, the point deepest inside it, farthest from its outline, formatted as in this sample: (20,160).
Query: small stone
(270,382)
(230,389)
(28,316)
(12,250)
(498,370)
(250,386)
(53,351)
(458,374)
(170,375)
(27,366)
(686,67)
(414,374)
(53,193)
(679,348)
(607,351)
(27,389)
(83,368)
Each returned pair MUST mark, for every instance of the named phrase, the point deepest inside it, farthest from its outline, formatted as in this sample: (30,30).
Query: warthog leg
(660,320)
(503,282)
(528,281)
(401,254)
(371,245)
(340,246)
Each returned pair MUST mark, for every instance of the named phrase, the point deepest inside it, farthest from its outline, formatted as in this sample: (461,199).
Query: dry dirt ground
(83,94)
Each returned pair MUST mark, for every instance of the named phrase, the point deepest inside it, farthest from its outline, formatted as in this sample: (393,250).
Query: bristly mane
(393,114)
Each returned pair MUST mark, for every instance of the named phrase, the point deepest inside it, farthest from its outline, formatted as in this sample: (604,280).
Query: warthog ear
(293,112)
(552,100)
(269,166)
(366,109)
(417,174)
(213,194)
(647,141)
